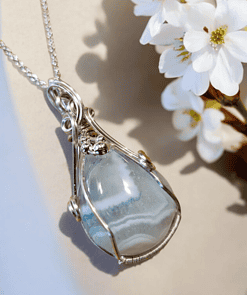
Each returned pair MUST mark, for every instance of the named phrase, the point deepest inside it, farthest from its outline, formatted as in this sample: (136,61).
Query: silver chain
(51,49)
(49,38)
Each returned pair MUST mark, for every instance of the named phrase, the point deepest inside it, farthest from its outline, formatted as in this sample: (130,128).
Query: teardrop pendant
(125,206)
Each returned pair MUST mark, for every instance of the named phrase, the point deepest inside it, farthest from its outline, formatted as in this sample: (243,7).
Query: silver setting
(73,207)
(146,161)
(91,142)
(88,137)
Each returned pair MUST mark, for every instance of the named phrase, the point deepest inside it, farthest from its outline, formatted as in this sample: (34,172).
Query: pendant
(125,206)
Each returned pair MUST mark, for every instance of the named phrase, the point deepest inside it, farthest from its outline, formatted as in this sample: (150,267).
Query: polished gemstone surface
(130,201)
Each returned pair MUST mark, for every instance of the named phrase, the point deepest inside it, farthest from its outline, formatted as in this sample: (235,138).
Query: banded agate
(131,202)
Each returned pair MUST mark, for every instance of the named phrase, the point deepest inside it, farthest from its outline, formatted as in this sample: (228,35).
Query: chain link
(51,49)
(19,64)
(49,38)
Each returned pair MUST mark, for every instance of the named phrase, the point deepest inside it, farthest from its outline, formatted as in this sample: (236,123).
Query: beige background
(99,55)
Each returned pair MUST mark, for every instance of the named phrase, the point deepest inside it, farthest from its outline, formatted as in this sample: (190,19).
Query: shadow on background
(129,82)
(104,262)
(130,86)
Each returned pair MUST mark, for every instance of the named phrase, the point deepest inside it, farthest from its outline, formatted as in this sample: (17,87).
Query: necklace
(125,206)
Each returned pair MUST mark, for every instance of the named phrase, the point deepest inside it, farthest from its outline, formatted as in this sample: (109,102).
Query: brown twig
(229,101)
(235,122)
(225,100)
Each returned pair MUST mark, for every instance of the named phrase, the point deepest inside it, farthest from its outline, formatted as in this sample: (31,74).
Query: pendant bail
(65,100)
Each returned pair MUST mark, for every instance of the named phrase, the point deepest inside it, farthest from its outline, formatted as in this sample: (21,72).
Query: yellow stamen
(186,57)
(183,53)
(217,36)
(186,54)
(180,39)
(180,48)
(195,116)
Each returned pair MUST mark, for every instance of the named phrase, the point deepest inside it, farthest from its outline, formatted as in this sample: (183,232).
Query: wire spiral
(69,104)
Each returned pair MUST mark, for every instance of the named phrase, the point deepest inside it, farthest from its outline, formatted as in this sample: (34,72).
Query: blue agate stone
(130,201)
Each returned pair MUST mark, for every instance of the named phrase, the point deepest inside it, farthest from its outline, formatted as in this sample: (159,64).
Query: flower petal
(198,83)
(196,40)
(227,73)
(146,8)
(212,121)
(238,13)
(236,113)
(222,14)
(209,152)
(181,119)
(187,16)
(232,140)
(175,13)
(189,133)
(200,15)
(182,122)
(171,65)
(232,13)
(160,49)
(236,44)
(166,35)
(175,98)
(153,27)
(204,59)
(198,1)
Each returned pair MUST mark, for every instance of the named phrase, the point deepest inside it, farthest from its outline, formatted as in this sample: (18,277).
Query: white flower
(153,8)
(160,11)
(147,7)
(175,60)
(218,45)
(193,118)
